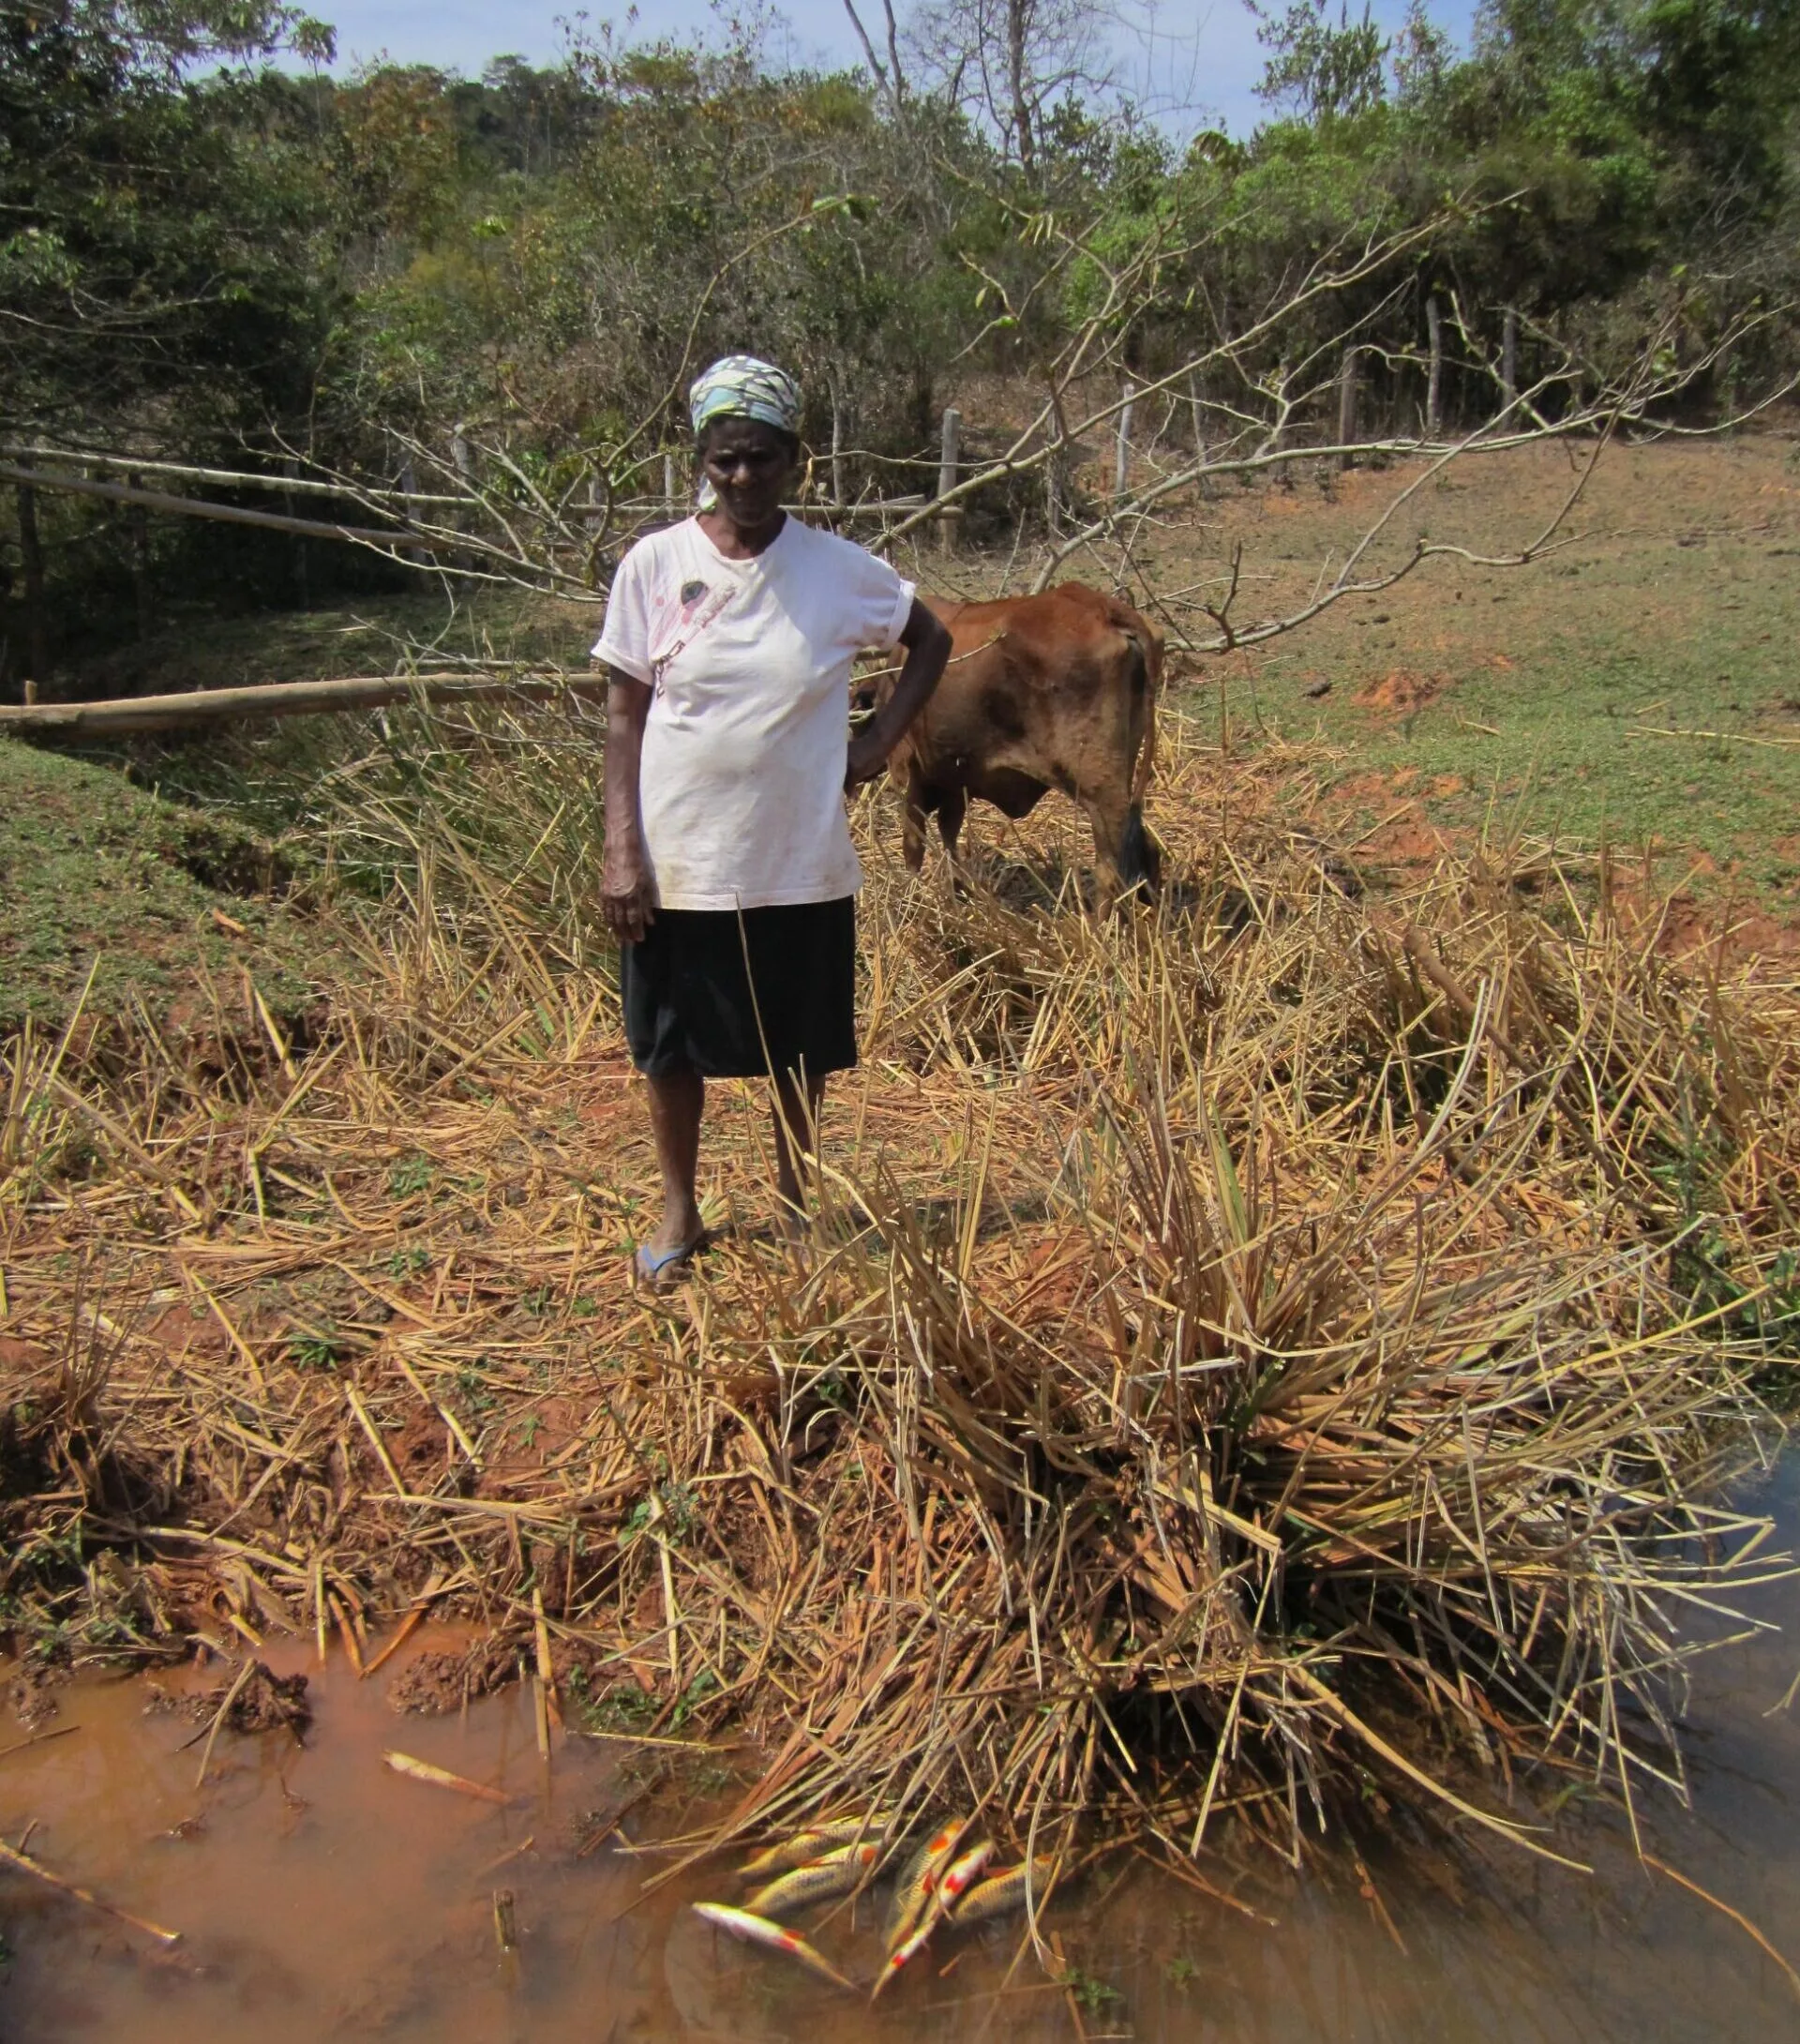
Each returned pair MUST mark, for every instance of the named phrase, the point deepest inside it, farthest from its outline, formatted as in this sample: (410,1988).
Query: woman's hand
(627,894)
(866,758)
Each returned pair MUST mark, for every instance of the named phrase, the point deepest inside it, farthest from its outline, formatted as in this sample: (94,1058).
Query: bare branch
(889,77)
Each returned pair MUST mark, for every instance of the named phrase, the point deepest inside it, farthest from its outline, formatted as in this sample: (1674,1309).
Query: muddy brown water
(322,1897)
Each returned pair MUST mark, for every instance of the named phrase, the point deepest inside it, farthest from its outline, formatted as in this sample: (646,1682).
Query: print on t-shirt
(671,636)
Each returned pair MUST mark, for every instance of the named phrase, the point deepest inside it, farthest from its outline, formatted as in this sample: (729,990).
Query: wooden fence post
(409,489)
(1435,380)
(302,564)
(839,494)
(462,458)
(1347,407)
(593,523)
(1199,429)
(950,515)
(140,524)
(1510,358)
(669,496)
(31,554)
(1122,452)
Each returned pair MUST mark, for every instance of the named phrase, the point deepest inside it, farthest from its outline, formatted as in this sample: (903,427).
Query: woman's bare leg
(676,1101)
(796,1120)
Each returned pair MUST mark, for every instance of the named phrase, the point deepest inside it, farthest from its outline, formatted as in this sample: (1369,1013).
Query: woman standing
(729,875)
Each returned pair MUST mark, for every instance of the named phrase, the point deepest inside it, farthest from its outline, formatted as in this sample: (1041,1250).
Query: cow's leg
(912,832)
(952,807)
(1140,857)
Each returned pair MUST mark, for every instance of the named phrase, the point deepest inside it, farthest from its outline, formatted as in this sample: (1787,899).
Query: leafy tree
(1719,91)
(155,224)
(1321,70)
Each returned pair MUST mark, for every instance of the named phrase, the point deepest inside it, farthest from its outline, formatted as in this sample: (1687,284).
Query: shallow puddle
(320,1895)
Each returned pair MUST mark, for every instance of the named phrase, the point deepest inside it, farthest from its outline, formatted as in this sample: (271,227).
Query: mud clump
(268,1701)
(435,1683)
(31,1696)
(1401,690)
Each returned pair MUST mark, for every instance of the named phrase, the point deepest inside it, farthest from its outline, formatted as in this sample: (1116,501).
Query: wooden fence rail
(409,536)
(226,514)
(197,707)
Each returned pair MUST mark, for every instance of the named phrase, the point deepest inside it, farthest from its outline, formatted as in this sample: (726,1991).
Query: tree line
(215,253)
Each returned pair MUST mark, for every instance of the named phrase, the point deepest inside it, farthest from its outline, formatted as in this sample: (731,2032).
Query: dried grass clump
(1288,1341)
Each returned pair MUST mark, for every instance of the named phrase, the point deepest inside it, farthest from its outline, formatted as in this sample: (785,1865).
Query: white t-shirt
(742,786)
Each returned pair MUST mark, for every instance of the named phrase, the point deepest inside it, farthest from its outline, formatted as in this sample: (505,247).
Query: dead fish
(755,1930)
(806,1846)
(921,1877)
(1003,1892)
(958,1879)
(962,1875)
(835,1874)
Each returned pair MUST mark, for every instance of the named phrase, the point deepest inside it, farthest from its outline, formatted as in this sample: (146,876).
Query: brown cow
(1055,690)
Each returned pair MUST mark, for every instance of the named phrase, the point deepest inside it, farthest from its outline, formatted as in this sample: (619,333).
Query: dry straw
(1283,1345)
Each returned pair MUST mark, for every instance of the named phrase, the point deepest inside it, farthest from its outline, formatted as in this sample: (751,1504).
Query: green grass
(1605,659)
(1547,689)
(95,874)
(121,853)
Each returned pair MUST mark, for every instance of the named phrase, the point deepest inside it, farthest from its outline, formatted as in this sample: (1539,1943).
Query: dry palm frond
(1297,1337)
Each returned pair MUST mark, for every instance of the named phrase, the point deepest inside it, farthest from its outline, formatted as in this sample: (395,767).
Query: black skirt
(742,995)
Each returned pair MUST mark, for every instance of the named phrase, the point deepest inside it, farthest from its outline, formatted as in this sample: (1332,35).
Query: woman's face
(750,466)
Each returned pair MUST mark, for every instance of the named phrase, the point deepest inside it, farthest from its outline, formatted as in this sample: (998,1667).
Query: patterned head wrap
(742,388)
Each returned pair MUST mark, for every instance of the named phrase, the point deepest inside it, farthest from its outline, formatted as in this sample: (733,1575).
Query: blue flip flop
(653,1264)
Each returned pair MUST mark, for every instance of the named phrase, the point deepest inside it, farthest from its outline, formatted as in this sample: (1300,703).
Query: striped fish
(959,1878)
(755,1930)
(1003,1892)
(836,1875)
(918,1882)
(806,1846)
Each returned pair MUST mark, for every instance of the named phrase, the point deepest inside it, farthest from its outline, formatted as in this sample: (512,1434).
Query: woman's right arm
(628,897)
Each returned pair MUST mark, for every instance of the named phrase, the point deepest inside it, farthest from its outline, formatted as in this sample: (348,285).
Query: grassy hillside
(98,876)
(1639,683)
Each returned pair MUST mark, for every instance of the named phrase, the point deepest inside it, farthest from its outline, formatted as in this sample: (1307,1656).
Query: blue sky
(459,35)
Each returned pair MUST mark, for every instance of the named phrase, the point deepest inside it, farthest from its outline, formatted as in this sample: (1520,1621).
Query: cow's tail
(1140,857)
(1147,742)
